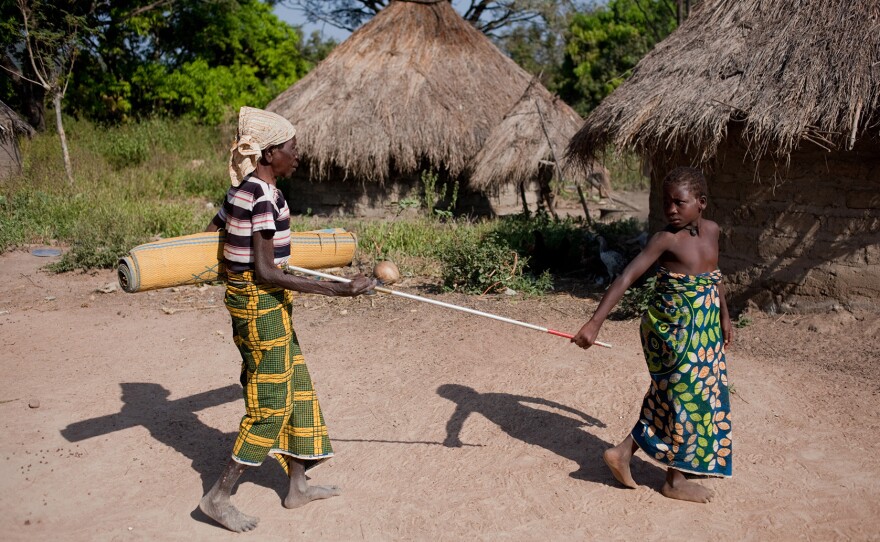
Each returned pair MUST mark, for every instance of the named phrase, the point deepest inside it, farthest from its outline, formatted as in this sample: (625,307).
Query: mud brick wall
(801,238)
(350,197)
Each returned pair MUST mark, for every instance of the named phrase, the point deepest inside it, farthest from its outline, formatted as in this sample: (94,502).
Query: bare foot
(220,509)
(678,487)
(296,498)
(618,459)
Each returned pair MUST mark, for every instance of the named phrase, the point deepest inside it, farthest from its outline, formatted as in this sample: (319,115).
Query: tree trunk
(56,100)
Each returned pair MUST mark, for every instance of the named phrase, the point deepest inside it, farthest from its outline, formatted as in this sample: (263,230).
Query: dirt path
(139,402)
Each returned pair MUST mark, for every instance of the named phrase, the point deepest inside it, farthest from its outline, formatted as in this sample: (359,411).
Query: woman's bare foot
(297,497)
(678,487)
(220,509)
(300,492)
(618,459)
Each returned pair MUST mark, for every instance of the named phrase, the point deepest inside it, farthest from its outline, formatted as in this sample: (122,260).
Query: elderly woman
(282,416)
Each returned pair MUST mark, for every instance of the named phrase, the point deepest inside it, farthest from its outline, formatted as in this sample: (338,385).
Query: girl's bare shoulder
(662,237)
(710,227)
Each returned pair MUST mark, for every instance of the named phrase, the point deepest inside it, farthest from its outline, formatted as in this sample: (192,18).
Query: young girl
(685,416)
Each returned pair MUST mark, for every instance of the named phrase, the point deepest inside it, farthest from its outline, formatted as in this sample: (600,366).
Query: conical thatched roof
(786,71)
(514,151)
(11,124)
(415,83)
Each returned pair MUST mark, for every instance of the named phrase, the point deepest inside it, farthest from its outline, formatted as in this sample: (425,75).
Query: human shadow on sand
(561,434)
(175,424)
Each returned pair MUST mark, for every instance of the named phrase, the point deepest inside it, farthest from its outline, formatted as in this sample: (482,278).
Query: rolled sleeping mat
(198,258)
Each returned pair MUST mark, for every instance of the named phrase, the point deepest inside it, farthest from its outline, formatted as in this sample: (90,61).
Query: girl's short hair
(692,177)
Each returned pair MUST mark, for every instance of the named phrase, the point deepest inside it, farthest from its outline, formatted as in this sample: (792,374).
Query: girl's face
(681,206)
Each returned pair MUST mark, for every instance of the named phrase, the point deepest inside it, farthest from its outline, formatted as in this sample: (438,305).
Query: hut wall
(351,197)
(804,243)
(10,158)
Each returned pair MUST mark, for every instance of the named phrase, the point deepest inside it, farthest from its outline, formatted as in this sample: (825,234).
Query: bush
(636,300)
(479,266)
(132,183)
(127,150)
(549,245)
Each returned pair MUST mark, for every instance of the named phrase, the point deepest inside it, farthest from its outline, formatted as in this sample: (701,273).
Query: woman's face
(285,159)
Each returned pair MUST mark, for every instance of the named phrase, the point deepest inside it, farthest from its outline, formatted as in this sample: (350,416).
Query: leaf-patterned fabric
(685,418)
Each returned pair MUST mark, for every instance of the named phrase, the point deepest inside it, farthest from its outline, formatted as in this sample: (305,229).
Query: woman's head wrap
(257,131)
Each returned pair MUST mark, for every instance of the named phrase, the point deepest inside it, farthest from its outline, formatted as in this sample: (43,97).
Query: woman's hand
(587,335)
(358,285)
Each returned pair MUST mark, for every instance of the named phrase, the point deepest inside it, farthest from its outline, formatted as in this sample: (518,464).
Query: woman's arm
(266,272)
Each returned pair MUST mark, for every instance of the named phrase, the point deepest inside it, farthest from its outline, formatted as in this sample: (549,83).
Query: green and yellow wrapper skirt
(685,419)
(282,414)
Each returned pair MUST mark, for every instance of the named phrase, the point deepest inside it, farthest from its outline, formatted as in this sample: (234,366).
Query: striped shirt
(253,206)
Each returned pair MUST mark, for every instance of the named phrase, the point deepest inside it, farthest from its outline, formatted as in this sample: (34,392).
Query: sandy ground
(119,410)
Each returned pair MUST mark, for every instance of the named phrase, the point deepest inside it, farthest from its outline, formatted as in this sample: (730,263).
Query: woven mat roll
(197,258)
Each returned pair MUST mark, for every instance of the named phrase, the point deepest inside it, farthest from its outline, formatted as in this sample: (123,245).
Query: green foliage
(479,265)
(550,245)
(637,299)
(151,184)
(743,321)
(126,150)
(407,203)
(184,58)
(212,94)
(619,232)
(434,195)
(604,46)
(625,171)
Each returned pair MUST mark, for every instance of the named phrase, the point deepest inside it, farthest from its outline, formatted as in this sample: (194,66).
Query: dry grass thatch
(417,84)
(12,125)
(786,71)
(535,131)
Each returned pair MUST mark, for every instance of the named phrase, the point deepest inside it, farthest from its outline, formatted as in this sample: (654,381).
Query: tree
(538,45)
(50,40)
(194,58)
(186,58)
(604,45)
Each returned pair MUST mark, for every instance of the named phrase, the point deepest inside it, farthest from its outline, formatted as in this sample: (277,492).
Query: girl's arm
(266,272)
(658,244)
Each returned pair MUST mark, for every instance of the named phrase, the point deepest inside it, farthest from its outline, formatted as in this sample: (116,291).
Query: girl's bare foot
(678,487)
(296,497)
(220,509)
(618,459)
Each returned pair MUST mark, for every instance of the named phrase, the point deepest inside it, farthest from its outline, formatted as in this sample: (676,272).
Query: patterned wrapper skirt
(685,418)
(282,416)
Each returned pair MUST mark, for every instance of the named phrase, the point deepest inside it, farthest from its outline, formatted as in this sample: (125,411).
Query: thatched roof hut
(11,128)
(779,102)
(416,88)
(534,134)
(784,72)
(417,82)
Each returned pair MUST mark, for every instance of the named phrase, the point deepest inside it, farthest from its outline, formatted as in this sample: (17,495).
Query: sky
(296,18)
